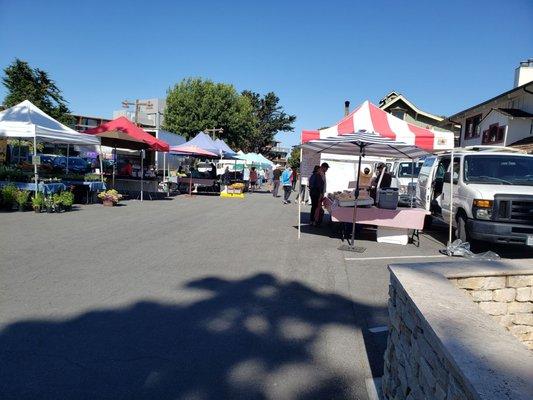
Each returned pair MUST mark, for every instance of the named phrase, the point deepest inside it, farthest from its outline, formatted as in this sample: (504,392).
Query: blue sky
(444,56)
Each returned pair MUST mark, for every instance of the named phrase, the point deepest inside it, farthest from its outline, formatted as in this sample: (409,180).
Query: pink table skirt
(407,218)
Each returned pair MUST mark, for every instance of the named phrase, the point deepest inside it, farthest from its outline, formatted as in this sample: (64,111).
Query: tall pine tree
(26,83)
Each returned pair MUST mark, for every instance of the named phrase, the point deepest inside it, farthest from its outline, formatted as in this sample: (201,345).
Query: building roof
(526,140)
(525,144)
(515,112)
(393,97)
(495,98)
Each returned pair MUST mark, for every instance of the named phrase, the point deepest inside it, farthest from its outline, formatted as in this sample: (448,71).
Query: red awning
(121,132)
(372,119)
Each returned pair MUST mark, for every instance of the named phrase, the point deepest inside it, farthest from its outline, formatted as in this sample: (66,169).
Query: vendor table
(92,188)
(203,182)
(400,220)
(130,186)
(46,188)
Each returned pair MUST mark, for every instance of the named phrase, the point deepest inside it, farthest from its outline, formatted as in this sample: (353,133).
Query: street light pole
(215,130)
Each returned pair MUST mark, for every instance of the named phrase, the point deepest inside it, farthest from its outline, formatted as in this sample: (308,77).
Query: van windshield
(499,170)
(405,170)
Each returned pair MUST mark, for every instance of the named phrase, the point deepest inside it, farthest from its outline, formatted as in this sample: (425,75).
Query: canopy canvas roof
(191,150)
(26,120)
(123,133)
(203,141)
(367,144)
(371,119)
(224,148)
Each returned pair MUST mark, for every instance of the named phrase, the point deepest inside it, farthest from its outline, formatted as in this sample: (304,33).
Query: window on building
(495,134)
(471,126)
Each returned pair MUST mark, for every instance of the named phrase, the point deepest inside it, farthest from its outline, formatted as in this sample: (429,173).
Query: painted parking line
(391,258)
(378,329)
(373,388)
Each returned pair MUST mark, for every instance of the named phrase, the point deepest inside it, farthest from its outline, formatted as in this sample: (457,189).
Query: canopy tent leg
(68,151)
(300,199)
(411,197)
(450,229)
(101,165)
(114,166)
(142,174)
(36,176)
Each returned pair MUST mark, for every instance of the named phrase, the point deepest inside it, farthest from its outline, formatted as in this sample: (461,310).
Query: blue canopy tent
(224,149)
(204,142)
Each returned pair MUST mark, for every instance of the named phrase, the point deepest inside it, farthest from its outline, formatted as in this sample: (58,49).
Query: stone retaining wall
(508,299)
(442,345)
(413,367)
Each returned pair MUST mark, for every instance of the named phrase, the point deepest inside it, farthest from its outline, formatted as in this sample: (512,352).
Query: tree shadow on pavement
(253,338)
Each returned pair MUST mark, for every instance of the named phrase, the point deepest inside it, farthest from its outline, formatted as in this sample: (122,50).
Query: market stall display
(369,131)
(122,133)
(25,120)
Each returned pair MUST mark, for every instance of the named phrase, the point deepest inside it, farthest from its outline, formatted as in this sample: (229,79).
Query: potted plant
(22,197)
(56,202)
(109,197)
(49,204)
(67,199)
(37,202)
(9,193)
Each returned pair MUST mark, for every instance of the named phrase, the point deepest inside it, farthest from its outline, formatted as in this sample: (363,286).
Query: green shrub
(37,201)
(67,199)
(22,197)
(9,195)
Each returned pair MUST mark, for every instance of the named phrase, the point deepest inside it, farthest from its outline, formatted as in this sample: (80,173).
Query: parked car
(75,164)
(404,178)
(492,193)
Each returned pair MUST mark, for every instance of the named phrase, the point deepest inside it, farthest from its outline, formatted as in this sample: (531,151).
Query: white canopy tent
(25,120)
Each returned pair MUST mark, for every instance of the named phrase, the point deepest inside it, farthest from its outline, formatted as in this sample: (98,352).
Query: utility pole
(215,130)
(137,104)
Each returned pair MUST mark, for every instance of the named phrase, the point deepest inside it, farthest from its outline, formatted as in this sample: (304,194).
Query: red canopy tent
(123,133)
(372,119)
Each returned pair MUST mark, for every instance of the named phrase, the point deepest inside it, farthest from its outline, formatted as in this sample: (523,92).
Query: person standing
(317,188)
(253,179)
(287,185)
(294,178)
(275,180)
(382,180)
(302,192)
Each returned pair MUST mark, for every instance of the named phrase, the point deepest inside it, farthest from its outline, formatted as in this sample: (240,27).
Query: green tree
(196,104)
(294,158)
(26,83)
(270,119)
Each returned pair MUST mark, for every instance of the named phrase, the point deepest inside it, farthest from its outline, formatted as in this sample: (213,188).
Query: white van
(492,193)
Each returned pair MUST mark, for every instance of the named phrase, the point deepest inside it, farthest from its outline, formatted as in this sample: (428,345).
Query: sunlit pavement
(191,298)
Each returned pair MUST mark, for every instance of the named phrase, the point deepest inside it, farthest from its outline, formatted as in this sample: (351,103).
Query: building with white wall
(504,120)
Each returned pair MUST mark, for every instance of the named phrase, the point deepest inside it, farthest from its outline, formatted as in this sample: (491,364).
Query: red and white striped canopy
(372,119)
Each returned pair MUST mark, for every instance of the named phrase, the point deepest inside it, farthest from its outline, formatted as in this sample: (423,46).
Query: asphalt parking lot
(192,298)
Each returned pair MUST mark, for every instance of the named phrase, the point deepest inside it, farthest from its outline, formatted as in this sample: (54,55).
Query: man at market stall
(275,181)
(317,188)
(127,169)
(382,180)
